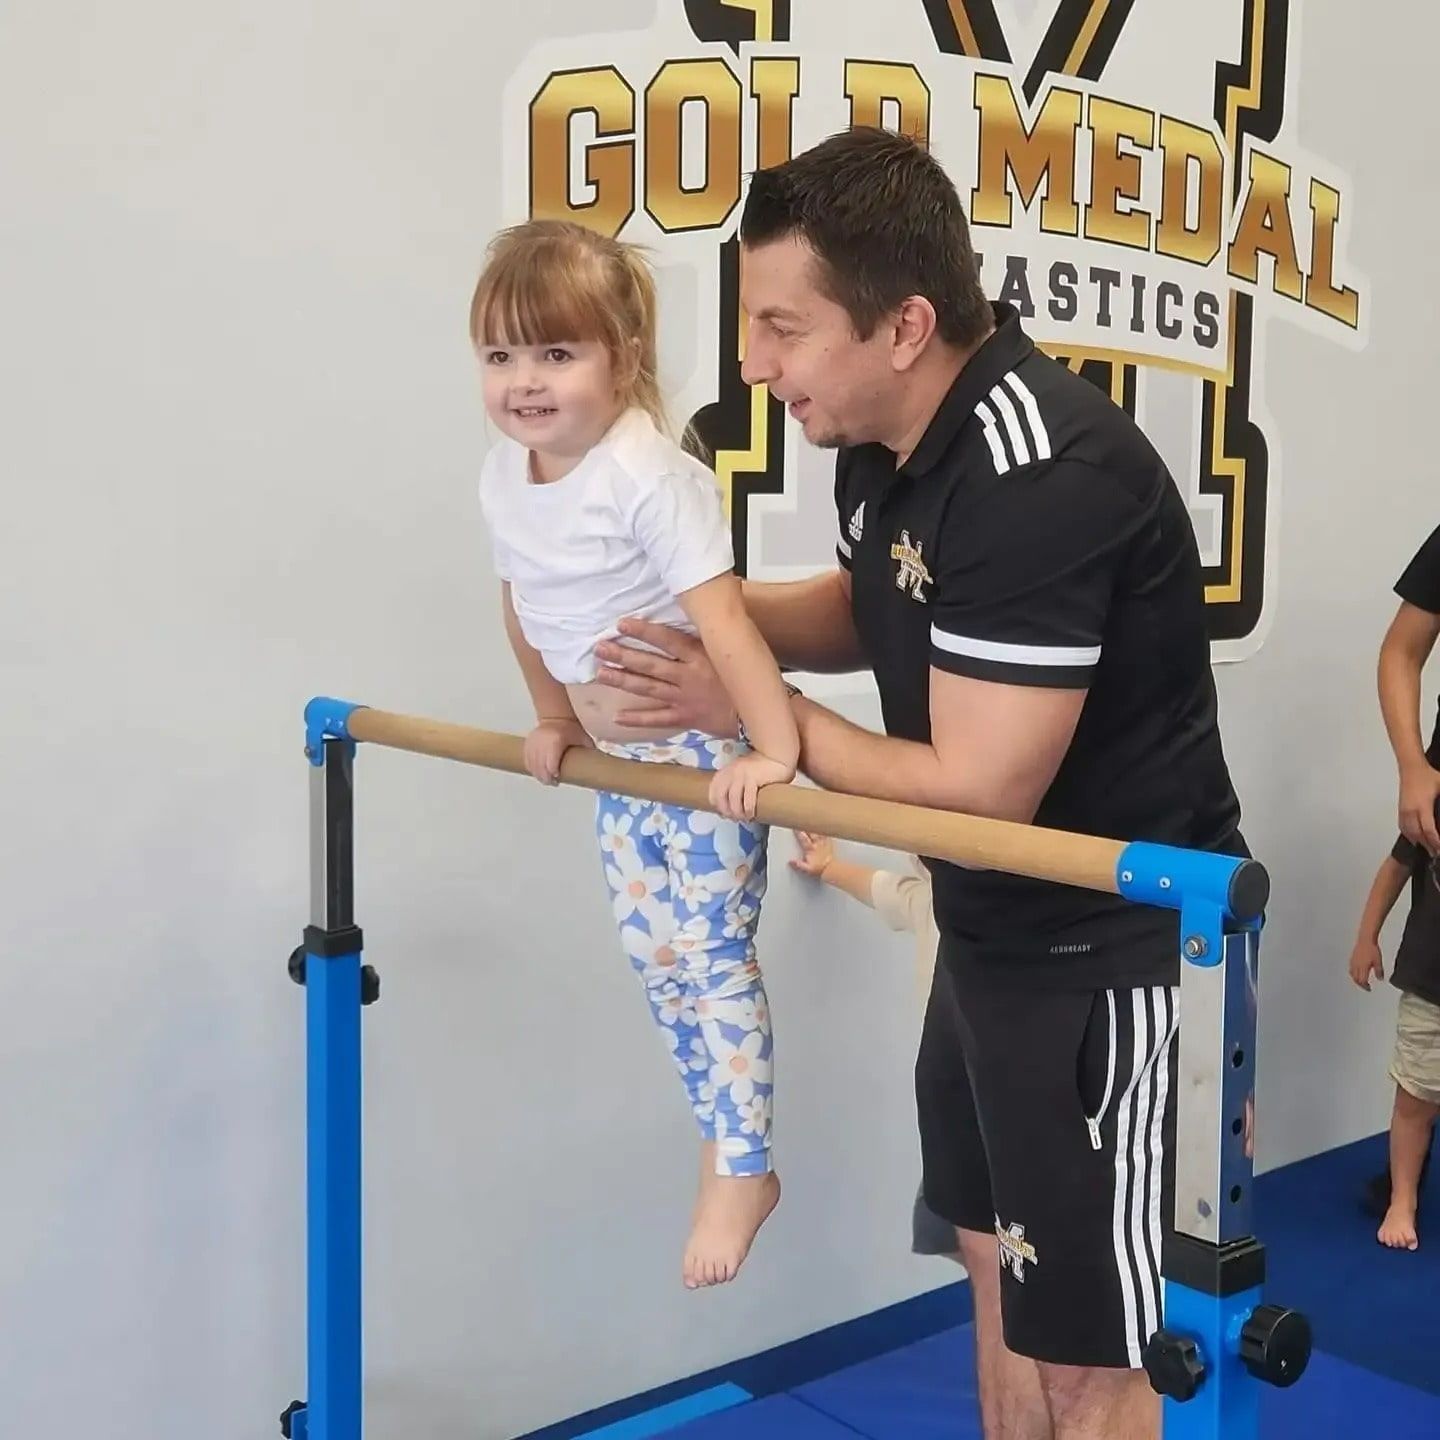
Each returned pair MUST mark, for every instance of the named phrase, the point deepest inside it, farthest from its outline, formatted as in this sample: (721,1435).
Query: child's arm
(556,728)
(817,857)
(750,675)
(1365,958)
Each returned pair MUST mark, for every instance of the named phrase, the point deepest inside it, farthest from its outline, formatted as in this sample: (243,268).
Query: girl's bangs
(537,299)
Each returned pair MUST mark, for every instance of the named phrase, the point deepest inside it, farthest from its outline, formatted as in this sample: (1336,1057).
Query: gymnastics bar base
(1218,1342)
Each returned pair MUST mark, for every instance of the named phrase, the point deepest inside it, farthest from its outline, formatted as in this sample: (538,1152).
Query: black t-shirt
(1034,537)
(1417,962)
(1420,586)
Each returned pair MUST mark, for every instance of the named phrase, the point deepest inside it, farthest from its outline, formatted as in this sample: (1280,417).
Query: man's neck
(932,384)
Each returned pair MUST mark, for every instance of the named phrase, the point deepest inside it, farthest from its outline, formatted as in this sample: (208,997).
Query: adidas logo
(857,522)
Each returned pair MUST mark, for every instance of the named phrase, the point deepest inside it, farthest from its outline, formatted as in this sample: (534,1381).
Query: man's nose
(758,367)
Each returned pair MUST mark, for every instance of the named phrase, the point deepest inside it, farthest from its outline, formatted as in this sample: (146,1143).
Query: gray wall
(239,449)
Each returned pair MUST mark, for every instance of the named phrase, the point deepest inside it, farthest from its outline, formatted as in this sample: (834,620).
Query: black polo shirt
(1034,537)
(1420,587)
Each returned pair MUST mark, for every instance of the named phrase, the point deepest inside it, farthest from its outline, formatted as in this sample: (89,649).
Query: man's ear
(914,327)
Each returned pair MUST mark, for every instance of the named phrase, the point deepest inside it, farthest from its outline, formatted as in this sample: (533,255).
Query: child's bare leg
(729,1211)
(1410,1127)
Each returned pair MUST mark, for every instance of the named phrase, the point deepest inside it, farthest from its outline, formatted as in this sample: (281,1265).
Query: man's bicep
(1002,743)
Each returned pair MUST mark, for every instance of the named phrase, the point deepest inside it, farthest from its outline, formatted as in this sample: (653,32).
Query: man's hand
(735,789)
(817,853)
(1419,792)
(680,687)
(546,744)
(1366,963)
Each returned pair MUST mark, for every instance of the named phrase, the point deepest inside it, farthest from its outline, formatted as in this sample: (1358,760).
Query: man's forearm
(806,623)
(845,757)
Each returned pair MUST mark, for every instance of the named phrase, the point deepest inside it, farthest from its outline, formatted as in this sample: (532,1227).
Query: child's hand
(1365,962)
(816,853)
(546,744)
(734,790)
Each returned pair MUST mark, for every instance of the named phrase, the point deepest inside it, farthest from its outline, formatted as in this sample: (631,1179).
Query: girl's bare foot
(729,1211)
(1397,1230)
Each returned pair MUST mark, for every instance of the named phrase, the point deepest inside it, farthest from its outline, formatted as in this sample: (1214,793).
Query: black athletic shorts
(1049,1116)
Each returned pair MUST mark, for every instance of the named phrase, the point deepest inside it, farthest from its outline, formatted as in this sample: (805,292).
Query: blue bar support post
(336,983)
(1219,1342)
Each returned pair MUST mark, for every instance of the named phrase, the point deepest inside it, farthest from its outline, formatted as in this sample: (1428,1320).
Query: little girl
(596,514)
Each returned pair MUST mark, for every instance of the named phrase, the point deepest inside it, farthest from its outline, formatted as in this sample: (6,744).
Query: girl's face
(556,399)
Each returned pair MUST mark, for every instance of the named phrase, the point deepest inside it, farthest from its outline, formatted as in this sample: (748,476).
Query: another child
(904,902)
(596,514)
(1415,1067)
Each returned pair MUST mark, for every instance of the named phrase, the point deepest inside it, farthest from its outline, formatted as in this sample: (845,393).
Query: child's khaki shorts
(1416,1066)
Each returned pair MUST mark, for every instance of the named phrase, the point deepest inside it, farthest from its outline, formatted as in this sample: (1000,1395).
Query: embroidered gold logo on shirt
(911,574)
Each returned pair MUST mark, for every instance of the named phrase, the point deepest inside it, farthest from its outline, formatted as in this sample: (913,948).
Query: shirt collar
(1004,349)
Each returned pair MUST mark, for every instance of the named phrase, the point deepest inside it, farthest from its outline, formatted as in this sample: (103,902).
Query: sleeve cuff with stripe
(1053,667)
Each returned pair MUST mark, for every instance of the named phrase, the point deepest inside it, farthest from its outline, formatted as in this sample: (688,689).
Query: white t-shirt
(636,523)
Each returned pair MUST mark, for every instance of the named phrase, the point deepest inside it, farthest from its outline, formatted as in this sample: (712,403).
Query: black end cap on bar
(1219,1270)
(329,943)
(1249,890)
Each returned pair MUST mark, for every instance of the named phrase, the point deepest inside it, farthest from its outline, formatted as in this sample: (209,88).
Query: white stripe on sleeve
(1076,656)
(1026,397)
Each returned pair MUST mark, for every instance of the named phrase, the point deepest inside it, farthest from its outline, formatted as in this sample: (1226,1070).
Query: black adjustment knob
(296,965)
(1275,1344)
(369,984)
(1174,1365)
(288,1428)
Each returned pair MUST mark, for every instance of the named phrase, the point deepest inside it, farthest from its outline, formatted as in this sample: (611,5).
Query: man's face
(801,344)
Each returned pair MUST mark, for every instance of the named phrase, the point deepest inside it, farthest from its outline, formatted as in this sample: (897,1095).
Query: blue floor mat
(1376,1308)
(923,1392)
(777,1417)
(927,1392)
(1375,1312)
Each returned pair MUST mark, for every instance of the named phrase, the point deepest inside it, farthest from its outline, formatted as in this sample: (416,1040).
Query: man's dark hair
(885,222)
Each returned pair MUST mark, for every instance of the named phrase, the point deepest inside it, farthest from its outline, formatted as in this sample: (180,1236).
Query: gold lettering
(1045,152)
(609,162)
(775,83)
(1115,173)
(1180,145)
(870,83)
(713,83)
(1320,292)
(1265,228)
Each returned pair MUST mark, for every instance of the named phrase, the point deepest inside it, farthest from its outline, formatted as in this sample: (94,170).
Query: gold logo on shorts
(1016,1252)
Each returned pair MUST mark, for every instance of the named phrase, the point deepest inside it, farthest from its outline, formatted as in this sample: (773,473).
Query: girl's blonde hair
(551,280)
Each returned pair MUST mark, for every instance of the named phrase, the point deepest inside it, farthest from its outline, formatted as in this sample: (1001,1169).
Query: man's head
(857,270)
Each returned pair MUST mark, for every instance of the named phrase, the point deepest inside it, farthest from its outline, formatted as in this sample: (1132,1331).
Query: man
(1021,574)
(1407,646)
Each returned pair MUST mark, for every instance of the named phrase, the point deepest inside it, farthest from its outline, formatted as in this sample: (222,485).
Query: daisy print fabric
(686,888)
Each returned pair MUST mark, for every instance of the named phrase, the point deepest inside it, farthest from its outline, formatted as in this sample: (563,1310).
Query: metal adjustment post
(336,985)
(1218,1340)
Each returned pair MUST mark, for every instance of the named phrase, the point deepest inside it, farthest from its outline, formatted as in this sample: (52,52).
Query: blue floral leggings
(686,888)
